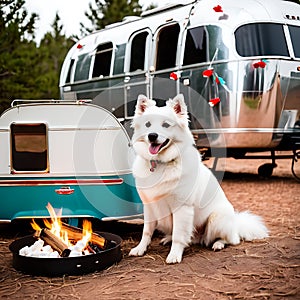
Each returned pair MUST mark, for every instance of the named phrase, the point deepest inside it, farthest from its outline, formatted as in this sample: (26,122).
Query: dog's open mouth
(155,148)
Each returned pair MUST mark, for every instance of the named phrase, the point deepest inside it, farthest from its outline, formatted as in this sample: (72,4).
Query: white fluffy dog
(181,197)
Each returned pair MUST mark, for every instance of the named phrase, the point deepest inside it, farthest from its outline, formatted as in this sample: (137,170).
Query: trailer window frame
(119,59)
(103,58)
(82,67)
(70,71)
(200,55)
(29,148)
(295,41)
(167,46)
(257,39)
(138,51)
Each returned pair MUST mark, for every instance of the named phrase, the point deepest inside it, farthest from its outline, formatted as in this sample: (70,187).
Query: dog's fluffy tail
(250,226)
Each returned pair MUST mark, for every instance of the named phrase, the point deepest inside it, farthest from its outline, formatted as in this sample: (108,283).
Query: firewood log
(75,233)
(55,242)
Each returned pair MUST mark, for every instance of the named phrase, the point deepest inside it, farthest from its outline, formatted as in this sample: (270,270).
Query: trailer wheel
(266,170)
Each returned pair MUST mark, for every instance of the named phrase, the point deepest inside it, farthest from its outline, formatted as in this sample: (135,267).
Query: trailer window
(119,59)
(103,60)
(68,79)
(167,41)
(29,147)
(295,36)
(82,67)
(195,46)
(261,39)
(138,50)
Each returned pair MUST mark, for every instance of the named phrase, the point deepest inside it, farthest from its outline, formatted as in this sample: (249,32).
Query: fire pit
(60,249)
(66,265)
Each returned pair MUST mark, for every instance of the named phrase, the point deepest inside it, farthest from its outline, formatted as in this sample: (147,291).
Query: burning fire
(62,238)
(55,227)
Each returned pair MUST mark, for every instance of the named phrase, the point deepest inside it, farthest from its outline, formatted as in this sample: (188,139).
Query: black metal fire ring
(66,265)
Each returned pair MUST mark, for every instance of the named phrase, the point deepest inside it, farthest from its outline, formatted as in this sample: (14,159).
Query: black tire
(266,170)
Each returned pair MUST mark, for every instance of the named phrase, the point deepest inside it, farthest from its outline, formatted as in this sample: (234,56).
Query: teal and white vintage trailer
(74,155)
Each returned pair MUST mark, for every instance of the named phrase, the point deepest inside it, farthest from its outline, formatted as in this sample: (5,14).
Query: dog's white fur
(181,197)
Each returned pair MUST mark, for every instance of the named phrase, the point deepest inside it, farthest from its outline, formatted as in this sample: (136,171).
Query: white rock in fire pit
(47,249)
(74,253)
(78,247)
(38,250)
(54,254)
(28,251)
(37,246)
(24,251)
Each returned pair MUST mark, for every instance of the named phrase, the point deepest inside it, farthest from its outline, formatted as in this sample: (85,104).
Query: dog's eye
(165,125)
(148,124)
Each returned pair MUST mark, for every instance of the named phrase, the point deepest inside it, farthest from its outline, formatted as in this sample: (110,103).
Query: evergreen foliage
(108,12)
(31,71)
(16,51)
(28,71)
(51,54)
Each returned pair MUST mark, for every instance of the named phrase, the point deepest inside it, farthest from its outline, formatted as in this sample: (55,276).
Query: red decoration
(207,73)
(79,46)
(260,64)
(217,80)
(173,76)
(214,101)
(218,8)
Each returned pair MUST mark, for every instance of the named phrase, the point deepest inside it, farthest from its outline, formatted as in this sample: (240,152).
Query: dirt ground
(265,269)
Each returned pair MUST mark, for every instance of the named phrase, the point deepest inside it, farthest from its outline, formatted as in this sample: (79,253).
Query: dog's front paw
(175,255)
(174,258)
(137,251)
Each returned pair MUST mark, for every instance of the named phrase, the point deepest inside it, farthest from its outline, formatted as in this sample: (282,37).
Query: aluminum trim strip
(245,130)
(131,217)
(50,182)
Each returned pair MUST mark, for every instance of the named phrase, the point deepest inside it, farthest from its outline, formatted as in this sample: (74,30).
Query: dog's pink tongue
(153,149)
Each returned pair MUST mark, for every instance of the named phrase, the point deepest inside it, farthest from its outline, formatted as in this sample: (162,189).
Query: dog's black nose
(152,137)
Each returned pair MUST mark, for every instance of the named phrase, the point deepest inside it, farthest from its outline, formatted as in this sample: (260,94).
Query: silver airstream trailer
(236,62)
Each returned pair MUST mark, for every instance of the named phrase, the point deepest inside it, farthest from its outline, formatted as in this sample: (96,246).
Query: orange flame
(86,231)
(35,226)
(55,226)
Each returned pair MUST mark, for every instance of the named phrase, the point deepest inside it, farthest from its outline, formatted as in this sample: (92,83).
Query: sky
(71,13)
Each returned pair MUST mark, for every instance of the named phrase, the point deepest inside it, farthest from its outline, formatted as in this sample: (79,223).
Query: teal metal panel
(109,196)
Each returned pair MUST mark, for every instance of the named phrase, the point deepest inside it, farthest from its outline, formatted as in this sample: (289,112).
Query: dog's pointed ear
(178,105)
(180,109)
(142,104)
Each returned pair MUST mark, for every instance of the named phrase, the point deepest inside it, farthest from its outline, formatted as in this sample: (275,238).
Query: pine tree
(17,51)
(28,71)
(52,51)
(108,12)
